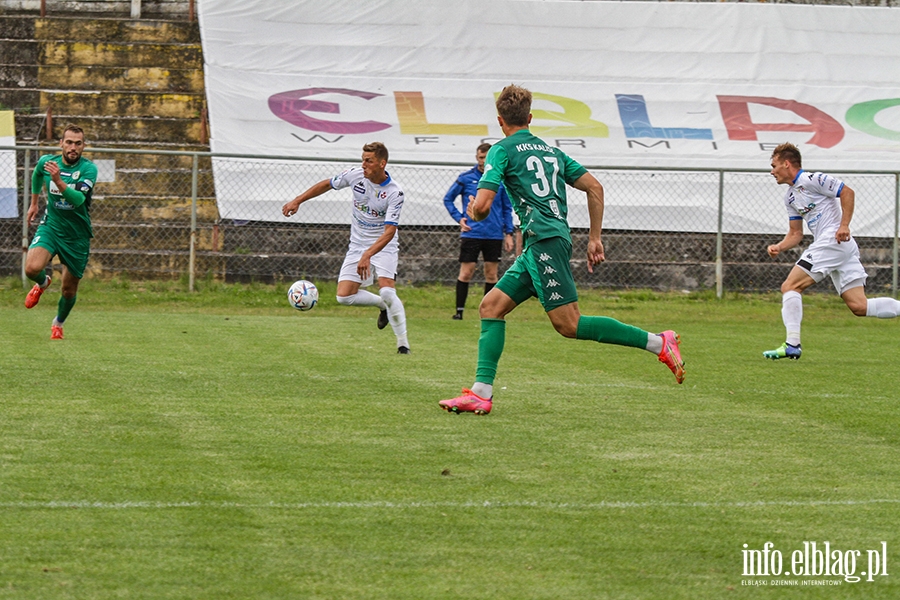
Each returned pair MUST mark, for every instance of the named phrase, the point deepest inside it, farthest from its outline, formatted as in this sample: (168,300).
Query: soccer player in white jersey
(374,247)
(826,204)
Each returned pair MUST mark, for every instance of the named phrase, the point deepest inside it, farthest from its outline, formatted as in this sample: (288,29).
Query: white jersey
(374,206)
(813,197)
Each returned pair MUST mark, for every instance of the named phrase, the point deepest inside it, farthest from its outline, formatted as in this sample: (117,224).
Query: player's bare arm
(33,208)
(318,189)
(588,183)
(791,239)
(364,264)
(848,202)
(480,206)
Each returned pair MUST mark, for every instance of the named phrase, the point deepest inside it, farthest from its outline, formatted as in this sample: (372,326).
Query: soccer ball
(303,295)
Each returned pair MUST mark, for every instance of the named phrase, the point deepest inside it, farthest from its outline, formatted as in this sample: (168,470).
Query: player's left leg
(797,281)
(66,302)
(73,254)
(493,310)
(395,312)
(384,266)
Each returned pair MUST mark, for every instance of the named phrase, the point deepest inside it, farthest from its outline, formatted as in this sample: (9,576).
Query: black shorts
(469,248)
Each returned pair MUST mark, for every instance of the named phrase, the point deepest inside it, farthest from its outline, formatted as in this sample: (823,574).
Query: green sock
(609,331)
(40,278)
(64,308)
(490,347)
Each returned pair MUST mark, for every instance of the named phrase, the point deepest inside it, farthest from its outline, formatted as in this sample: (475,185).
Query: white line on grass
(603,505)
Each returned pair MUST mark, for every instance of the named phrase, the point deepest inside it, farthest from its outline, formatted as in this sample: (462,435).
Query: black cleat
(457,317)
(382,319)
(402,350)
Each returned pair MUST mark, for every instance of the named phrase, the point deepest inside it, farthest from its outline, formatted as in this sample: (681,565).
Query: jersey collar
(797,177)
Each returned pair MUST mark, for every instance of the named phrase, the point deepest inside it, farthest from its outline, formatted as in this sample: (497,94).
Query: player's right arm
(455,190)
(37,184)
(318,189)
(791,239)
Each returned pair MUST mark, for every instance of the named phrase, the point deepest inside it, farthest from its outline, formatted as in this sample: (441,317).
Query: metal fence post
(194,169)
(896,227)
(719,275)
(26,201)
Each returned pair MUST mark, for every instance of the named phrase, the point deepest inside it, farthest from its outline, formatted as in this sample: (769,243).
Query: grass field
(221,445)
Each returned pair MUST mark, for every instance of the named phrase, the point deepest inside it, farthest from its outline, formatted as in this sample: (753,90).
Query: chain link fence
(185,215)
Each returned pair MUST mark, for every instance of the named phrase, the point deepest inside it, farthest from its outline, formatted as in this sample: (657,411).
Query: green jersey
(63,217)
(535,176)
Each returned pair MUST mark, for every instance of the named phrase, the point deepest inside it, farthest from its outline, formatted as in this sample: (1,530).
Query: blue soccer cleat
(784,351)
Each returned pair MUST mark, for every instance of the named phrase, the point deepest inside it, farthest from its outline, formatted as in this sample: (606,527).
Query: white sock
(792,315)
(483,390)
(396,314)
(362,298)
(654,343)
(883,308)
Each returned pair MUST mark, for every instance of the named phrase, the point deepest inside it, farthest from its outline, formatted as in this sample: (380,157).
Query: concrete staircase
(131,84)
(128,83)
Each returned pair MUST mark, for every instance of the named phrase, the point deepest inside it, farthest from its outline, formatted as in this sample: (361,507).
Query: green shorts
(542,271)
(73,253)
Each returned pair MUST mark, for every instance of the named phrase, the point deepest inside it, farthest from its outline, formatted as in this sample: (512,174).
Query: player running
(374,247)
(826,204)
(65,230)
(535,175)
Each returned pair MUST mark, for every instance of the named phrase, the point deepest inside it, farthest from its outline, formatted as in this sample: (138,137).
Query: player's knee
(566,329)
(388,294)
(858,308)
(788,287)
(346,300)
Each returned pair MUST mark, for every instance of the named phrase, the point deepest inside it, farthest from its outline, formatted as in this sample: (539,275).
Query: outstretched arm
(318,189)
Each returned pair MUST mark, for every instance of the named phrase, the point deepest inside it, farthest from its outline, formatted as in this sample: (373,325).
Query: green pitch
(222,445)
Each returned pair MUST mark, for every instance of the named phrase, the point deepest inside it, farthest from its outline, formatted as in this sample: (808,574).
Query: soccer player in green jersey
(535,175)
(65,230)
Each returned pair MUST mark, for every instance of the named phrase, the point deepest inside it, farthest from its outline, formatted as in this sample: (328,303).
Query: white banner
(702,85)
(9,193)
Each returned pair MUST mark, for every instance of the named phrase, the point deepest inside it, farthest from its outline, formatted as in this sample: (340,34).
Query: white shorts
(384,264)
(840,261)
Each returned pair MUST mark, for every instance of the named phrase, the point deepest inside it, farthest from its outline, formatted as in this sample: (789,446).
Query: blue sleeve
(506,210)
(456,189)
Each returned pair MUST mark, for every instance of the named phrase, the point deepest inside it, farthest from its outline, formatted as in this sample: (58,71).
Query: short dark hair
(74,129)
(514,105)
(789,152)
(378,149)
(483,147)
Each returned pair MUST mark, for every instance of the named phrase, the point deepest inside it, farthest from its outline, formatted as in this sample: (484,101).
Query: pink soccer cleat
(56,332)
(468,402)
(671,355)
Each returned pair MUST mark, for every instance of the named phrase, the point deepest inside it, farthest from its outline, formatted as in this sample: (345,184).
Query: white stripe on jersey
(373,206)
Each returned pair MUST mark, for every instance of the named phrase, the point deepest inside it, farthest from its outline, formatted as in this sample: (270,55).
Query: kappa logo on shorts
(548,270)
(554,296)
(552,283)
(544,256)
